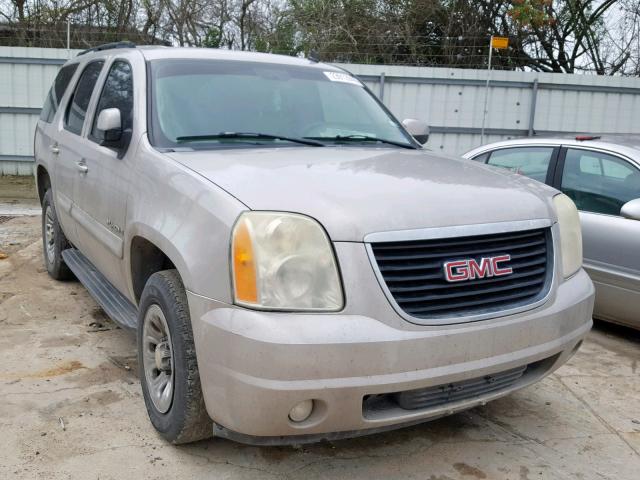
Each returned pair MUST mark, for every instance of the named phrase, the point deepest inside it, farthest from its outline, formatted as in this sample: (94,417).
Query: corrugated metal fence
(520,103)
(450,100)
(25,77)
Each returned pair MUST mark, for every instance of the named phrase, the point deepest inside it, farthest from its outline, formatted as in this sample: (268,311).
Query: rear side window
(530,161)
(56,92)
(598,182)
(77,108)
(116,93)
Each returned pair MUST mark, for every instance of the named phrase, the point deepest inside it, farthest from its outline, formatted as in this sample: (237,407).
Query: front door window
(77,108)
(598,182)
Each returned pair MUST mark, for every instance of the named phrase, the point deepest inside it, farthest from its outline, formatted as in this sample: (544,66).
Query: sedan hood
(355,191)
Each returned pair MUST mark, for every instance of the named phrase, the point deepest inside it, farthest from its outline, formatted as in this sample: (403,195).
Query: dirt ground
(71,406)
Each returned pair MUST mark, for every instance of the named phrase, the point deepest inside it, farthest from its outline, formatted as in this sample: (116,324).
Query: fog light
(301,411)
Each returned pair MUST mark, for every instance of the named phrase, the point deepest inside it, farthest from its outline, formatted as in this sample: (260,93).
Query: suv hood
(354,191)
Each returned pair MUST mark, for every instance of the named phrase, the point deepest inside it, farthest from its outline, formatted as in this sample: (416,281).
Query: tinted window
(77,108)
(598,182)
(116,93)
(482,157)
(530,161)
(56,92)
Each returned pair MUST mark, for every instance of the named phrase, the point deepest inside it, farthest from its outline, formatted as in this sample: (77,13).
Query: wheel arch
(43,182)
(149,253)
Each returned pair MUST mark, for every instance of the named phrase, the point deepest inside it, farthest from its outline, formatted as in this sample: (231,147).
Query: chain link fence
(71,36)
(387,49)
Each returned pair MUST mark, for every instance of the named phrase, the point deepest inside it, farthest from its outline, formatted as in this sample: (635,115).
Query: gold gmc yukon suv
(296,265)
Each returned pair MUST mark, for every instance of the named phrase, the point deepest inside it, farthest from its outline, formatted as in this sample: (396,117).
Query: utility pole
(499,43)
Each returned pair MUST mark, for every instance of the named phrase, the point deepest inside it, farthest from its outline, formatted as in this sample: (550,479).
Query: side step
(114,304)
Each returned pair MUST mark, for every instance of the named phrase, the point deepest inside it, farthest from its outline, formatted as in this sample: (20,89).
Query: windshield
(194,101)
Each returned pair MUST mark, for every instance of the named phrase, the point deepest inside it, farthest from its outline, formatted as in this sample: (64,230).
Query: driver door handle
(82,167)
(54,149)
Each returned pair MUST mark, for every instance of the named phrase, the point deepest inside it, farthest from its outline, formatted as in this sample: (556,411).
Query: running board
(114,304)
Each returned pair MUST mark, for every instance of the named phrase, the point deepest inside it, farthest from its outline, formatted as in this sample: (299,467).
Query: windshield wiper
(247,135)
(362,138)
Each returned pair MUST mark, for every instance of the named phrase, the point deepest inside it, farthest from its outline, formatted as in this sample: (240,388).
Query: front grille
(453,392)
(378,406)
(413,272)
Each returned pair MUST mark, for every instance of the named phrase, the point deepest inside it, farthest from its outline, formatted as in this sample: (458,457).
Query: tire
(54,241)
(181,416)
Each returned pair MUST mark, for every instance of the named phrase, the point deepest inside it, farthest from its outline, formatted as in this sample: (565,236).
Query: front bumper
(255,366)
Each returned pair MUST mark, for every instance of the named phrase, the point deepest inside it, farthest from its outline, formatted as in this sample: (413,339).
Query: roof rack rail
(109,46)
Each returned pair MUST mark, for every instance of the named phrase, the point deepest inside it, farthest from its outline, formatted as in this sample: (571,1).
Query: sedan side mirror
(418,129)
(110,127)
(631,209)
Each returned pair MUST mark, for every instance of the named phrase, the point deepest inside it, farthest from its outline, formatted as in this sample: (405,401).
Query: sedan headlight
(284,261)
(570,234)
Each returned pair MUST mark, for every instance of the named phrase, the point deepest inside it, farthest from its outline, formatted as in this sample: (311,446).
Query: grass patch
(17,187)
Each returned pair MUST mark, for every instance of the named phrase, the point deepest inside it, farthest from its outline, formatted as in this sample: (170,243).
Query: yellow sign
(499,42)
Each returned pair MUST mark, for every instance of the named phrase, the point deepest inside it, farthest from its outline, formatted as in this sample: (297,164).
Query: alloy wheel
(157,358)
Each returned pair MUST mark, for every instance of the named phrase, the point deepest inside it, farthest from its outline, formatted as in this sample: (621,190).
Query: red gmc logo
(461,270)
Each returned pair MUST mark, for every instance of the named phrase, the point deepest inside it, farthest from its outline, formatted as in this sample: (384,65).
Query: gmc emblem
(470,269)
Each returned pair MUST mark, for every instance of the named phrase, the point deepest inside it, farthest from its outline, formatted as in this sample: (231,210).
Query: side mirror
(631,209)
(110,127)
(418,129)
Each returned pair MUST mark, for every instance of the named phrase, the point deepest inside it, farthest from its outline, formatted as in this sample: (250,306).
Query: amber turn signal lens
(244,268)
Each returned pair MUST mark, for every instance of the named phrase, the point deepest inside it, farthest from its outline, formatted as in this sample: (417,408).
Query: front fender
(187,217)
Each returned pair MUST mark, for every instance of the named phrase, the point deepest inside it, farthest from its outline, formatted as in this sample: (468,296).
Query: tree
(599,36)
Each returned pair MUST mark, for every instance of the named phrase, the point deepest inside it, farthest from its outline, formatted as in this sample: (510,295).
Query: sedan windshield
(209,103)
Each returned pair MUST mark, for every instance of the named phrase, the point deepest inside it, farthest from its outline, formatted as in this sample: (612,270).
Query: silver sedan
(602,177)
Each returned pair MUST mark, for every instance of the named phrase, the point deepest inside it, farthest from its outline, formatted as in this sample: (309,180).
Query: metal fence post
(532,108)
(69,38)
(381,91)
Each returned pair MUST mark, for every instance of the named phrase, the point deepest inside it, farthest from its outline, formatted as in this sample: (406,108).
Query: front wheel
(167,359)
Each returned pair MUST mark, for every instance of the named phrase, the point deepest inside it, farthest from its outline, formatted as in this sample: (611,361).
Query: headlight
(570,234)
(283,261)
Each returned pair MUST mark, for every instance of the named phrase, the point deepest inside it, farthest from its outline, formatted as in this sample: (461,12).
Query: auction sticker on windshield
(342,77)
